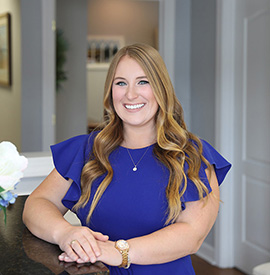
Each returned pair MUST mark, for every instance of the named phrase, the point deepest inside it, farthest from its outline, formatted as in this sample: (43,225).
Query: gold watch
(123,247)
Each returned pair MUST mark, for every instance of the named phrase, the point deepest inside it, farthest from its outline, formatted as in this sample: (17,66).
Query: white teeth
(132,107)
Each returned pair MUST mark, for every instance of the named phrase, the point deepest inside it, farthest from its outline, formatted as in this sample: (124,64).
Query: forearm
(44,219)
(43,215)
(183,237)
(165,245)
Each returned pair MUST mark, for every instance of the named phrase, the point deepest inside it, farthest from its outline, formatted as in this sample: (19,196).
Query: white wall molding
(225,90)
(167,34)
(39,166)
(207,252)
(48,72)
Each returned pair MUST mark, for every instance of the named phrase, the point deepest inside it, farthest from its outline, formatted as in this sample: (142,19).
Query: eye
(120,83)
(143,82)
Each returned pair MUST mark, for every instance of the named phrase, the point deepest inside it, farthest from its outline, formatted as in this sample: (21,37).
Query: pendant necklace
(135,165)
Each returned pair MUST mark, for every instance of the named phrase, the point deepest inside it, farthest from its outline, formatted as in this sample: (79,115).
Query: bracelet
(123,247)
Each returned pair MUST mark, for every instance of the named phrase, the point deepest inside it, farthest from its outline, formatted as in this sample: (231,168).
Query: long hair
(175,144)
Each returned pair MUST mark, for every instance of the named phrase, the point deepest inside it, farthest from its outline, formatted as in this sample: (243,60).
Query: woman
(145,189)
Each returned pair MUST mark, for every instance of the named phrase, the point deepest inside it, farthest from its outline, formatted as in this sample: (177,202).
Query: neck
(138,138)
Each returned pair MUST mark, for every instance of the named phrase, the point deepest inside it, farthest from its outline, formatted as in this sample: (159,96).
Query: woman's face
(133,98)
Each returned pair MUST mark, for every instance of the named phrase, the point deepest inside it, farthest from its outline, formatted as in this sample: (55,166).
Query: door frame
(224,124)
(40,163)
(224,233)
(223,254)
(167,34)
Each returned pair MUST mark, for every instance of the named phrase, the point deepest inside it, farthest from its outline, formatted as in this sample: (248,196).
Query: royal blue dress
(134,204)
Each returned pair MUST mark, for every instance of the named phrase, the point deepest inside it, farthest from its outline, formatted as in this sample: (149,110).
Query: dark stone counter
(23,253)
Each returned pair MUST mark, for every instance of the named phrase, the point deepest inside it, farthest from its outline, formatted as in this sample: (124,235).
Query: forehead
(128,66)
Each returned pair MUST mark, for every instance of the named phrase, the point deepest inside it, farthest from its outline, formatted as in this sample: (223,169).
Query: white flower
(11,165)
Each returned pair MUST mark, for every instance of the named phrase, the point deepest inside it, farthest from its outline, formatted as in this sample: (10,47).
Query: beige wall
(10,97)
(137,21)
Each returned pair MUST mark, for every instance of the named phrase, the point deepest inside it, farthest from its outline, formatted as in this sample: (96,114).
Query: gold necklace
(135,165)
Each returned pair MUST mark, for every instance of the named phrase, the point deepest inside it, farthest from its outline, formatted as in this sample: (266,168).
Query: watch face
(122,244)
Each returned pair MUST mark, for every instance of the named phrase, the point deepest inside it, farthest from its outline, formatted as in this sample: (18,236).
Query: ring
(72,242)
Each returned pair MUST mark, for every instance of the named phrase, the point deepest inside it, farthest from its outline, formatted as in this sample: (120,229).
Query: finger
(81,261)
(84,250)
(65,258)
(99,236)
(61,257)
(93,247)
(90,247)
(70,253)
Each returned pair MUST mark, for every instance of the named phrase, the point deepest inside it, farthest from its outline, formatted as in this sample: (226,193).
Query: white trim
(39,166)
(167,34)
(47,73)
(207,252)
(225,71)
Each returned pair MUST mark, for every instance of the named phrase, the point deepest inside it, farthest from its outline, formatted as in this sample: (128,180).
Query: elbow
(197,244)
(196,247)
(25,214)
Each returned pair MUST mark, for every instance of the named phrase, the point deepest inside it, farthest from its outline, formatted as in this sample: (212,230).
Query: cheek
(153,100)
(115,96)
(116,100)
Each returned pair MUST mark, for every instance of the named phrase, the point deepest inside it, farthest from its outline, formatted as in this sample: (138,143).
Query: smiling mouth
(134,107)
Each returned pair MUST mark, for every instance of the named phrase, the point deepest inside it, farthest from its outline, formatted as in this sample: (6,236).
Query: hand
(80,244)
(109,254)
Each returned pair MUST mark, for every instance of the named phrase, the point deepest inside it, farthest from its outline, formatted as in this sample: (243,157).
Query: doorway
(112,25)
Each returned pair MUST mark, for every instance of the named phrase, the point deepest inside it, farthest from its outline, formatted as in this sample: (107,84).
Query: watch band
(123,247)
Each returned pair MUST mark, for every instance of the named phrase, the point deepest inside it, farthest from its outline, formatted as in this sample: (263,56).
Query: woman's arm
(176,240)
(43,215)
(183,237)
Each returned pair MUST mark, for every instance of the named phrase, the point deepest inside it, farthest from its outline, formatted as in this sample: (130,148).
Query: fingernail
(92,259)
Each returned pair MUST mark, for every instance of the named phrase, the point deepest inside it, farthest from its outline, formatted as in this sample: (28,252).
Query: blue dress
(134,204)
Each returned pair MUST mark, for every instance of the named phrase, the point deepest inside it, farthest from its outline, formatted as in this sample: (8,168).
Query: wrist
(123,248)
(60,231)
(119,258)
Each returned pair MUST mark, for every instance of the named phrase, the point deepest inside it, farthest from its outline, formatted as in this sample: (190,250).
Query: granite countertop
(23,253)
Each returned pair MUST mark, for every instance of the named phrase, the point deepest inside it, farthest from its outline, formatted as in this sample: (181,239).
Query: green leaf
(61,51)
(5,213)
(1,189)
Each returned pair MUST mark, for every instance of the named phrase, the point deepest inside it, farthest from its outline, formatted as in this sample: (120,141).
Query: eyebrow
(122,78)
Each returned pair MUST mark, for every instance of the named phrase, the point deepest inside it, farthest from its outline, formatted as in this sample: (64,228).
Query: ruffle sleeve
(69,158)
(221,166)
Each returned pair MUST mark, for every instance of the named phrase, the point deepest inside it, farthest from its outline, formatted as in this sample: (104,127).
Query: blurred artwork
(5,47)
(101,49)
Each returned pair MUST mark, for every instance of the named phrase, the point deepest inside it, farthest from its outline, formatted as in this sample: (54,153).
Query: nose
(131,93)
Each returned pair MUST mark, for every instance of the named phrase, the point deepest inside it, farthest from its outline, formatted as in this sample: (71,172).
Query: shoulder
(76,142)
(218,161)
(80,139)
(212,154)
(74,148)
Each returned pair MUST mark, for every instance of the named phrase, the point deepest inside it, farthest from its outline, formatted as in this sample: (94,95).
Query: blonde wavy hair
(175,144)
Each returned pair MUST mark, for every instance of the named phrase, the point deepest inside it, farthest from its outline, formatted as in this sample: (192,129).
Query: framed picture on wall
(5,49)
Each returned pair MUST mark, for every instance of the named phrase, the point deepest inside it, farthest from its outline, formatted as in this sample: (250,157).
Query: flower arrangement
(11,168)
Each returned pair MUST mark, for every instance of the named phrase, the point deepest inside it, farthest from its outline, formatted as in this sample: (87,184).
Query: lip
(134,107)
